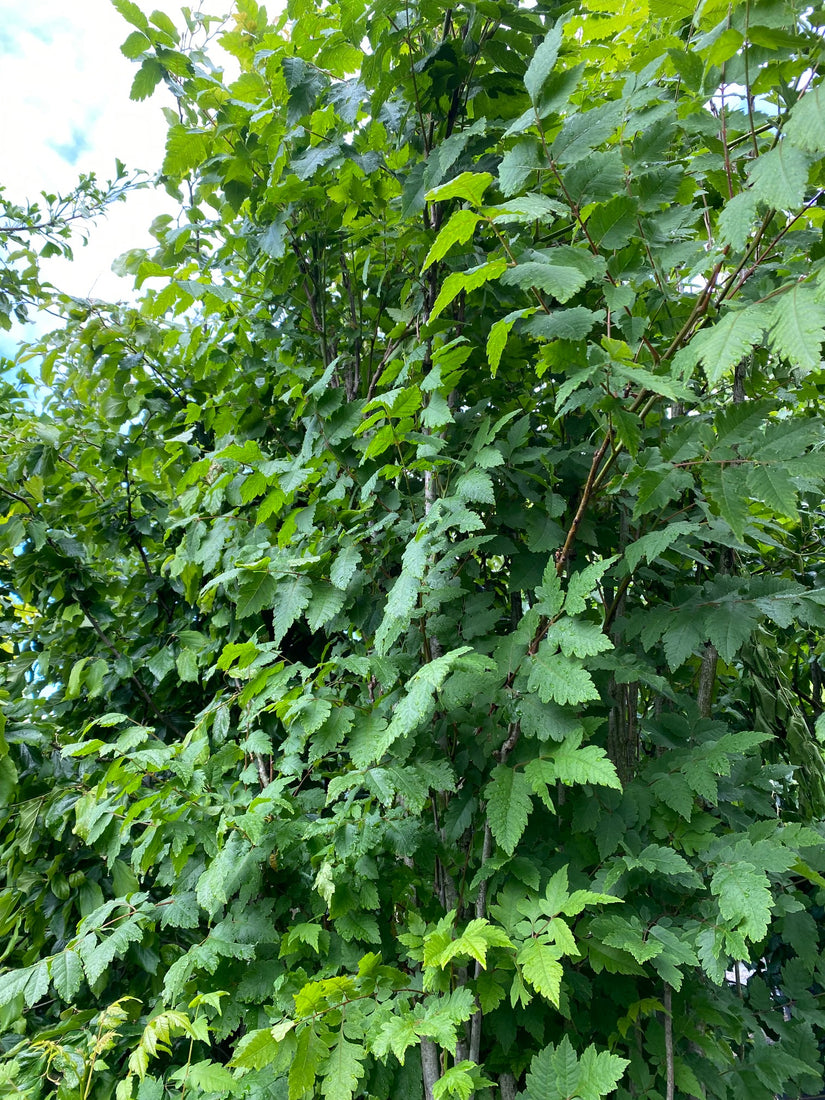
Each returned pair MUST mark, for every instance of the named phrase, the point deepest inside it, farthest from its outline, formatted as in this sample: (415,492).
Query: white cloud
(65,111)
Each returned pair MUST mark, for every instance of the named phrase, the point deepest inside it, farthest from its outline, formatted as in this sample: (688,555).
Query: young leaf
(465,281)
(458,230)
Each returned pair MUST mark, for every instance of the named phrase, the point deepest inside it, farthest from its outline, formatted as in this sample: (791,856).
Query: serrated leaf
(599,1073)
(655,543)
(729,624)
(292,594)
(724,345)
(584,583)
(541,967)
(209,1076)
(614,223)
(310,1050)
(657,486)
(497,337)
(343,1069)
(805,127)
(727,488)
(255,1050)
(416,706)
(560,679)
(745,898)
(542,63)
(508,805)
(528,207)
(32,982)
(326,602)
(469,186)
(559,281)
(344,565)
(255,594)
(476,485)
(403,594)
(66,972)
(573,323)
(589,764)
(147,78)
(659,860)
(465,281)
(798,330)
(554,1073)
(682,638)
(736,220)
(131,13)
(136,44)
(457,230)
(518,164)
(779,178)
(577,637)
(187,666)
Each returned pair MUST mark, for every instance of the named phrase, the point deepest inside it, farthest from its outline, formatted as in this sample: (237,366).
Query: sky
(65,110)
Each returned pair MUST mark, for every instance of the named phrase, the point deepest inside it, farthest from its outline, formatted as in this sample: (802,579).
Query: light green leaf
(599,1073)
(577,637)
(469,186)
(576,765)
(458,230)
(310,1050)
(509,801)
(465,281)
(187,666)
(255,1050)
(497,337)
(780,177)
(725,344)
(558,678)
(736,220)
(745,898)
(554,1073)
(584,583)
(343,1070)
(344,566)
(541,967)
(805,127)
(416,706)
(76,678)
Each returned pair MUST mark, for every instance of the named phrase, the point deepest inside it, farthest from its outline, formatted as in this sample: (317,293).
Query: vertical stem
(707,680)
(507,1084)
(481,908)
(670,1067)
(430,1067)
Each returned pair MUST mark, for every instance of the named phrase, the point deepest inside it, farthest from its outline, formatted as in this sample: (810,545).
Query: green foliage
(411,676)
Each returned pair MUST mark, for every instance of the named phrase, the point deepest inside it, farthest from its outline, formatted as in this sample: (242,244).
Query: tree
(418,690)
(42,229)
